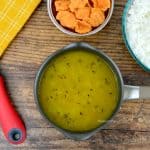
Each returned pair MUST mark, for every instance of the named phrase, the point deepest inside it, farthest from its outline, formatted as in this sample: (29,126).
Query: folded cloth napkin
(13,15)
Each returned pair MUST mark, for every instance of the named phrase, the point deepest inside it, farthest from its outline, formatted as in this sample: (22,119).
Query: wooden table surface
(39,38)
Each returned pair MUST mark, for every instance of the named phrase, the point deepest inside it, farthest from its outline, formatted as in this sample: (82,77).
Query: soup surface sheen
(78,91)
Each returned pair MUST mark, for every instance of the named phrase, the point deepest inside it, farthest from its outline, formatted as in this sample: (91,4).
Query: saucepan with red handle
(10,122)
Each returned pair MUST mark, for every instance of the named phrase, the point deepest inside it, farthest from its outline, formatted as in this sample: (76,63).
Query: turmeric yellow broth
(78,91)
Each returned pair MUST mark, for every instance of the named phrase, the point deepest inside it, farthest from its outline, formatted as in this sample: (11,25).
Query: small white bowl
(64,30)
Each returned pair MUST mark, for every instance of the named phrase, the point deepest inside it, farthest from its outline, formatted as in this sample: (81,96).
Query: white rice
(138,30)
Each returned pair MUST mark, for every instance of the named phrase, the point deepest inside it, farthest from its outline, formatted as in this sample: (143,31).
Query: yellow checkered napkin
(13,15)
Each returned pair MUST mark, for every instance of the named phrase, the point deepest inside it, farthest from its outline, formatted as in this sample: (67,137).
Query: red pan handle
(10,122)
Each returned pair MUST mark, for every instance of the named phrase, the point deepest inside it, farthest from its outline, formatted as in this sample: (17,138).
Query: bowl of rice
(136,31)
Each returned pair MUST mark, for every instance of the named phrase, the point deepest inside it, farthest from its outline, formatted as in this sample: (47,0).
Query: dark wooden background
(130,129)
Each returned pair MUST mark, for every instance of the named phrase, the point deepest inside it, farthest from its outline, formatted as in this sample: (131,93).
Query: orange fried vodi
(67,19)
(102,4)
(62,5)
(81,16)
(82,13)
(96,18)
(83,27)
(75,4)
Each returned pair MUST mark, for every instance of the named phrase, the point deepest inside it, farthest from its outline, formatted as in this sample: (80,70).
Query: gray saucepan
(126,92)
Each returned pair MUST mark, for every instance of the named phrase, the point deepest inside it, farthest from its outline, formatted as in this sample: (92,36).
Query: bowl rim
(61,28)
(86,134)
(125,36)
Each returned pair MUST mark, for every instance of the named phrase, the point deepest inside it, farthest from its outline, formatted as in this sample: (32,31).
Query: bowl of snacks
(136,29)
(80,17)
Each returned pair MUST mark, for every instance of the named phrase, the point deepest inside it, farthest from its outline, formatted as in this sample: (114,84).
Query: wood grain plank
(130,129)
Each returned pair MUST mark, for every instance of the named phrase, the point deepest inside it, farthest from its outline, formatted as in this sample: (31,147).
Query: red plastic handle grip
(10,121)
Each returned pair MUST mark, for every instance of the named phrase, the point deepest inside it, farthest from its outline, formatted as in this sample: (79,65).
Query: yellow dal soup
(78,91)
